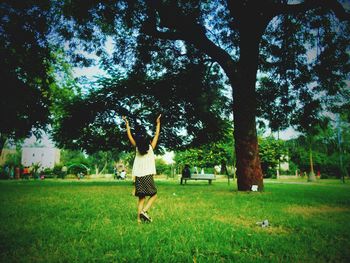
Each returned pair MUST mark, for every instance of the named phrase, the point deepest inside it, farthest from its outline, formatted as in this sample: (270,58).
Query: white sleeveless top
(144,164)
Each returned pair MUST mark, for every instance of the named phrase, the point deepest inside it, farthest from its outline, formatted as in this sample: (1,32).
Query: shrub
(48,173)
(162,167)
(57,171)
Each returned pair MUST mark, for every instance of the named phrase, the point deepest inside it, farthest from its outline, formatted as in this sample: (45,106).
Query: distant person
(186,172)
(217,169)
(42,176)
(17,172)
(115,172)
(12,172)
(123,175)
(6,172)
(64,171)
(144,168)
(26,172)
(80,175)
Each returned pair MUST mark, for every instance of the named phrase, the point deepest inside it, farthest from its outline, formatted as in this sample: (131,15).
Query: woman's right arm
(128,132)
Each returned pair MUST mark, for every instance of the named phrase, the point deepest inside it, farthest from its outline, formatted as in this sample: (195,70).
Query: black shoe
(145,216)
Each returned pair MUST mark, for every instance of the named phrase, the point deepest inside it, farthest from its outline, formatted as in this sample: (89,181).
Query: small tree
(162,167)
(13,159)
(207,155)
(272,152)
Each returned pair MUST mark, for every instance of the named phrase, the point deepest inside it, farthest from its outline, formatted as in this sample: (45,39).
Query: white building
(47,157)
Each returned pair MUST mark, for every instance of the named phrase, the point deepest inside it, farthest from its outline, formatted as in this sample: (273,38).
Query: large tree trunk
(244,110)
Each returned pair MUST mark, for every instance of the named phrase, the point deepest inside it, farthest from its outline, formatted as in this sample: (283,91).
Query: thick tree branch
(328,5)
(192,33)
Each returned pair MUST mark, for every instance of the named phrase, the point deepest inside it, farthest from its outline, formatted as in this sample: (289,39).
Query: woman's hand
(158,119)
(125,119)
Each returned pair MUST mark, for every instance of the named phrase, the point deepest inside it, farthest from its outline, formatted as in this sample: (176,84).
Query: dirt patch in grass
(314,210)
(251,223)
(237,221)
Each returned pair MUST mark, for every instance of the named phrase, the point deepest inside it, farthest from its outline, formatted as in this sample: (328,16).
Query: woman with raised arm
(144,168)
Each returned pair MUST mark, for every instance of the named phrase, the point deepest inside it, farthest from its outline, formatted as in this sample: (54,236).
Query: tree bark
(249,170)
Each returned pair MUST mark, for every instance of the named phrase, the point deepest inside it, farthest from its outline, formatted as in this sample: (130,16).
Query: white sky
(90,72)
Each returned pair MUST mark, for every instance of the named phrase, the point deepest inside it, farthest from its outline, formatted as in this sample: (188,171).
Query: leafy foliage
(162,167)
(207,155)
(13,159)
(304,70)
(272,152)
(25,72)
(190,101)
(326,151)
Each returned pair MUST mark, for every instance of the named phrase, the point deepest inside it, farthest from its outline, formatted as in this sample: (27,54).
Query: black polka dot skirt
(144,186)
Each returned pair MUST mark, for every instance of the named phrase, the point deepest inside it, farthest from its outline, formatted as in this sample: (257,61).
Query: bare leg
(150,202)
(140,207)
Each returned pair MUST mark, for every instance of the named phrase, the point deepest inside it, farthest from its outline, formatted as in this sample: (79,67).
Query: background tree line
(327,156)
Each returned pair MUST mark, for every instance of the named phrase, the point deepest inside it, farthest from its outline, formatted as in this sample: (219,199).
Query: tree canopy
(194,110)
(25,73)
(278,57)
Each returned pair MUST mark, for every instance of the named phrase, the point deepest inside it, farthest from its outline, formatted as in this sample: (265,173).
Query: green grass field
(95,221)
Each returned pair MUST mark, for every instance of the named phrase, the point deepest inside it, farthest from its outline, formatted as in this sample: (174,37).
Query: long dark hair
(142,140)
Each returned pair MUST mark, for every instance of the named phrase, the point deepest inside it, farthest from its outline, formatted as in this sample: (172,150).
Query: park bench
(208,177)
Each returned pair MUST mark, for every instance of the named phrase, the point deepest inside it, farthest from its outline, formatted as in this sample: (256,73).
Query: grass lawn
(95,221)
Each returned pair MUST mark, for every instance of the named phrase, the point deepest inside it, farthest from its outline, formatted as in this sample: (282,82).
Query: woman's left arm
(156,136)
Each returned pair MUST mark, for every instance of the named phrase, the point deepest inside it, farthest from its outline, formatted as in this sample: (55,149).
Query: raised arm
(155,138)
(128,132)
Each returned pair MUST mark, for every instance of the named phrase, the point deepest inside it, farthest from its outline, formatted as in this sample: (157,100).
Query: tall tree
(326,153)
(310,123)
(230,33)
(272,152)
